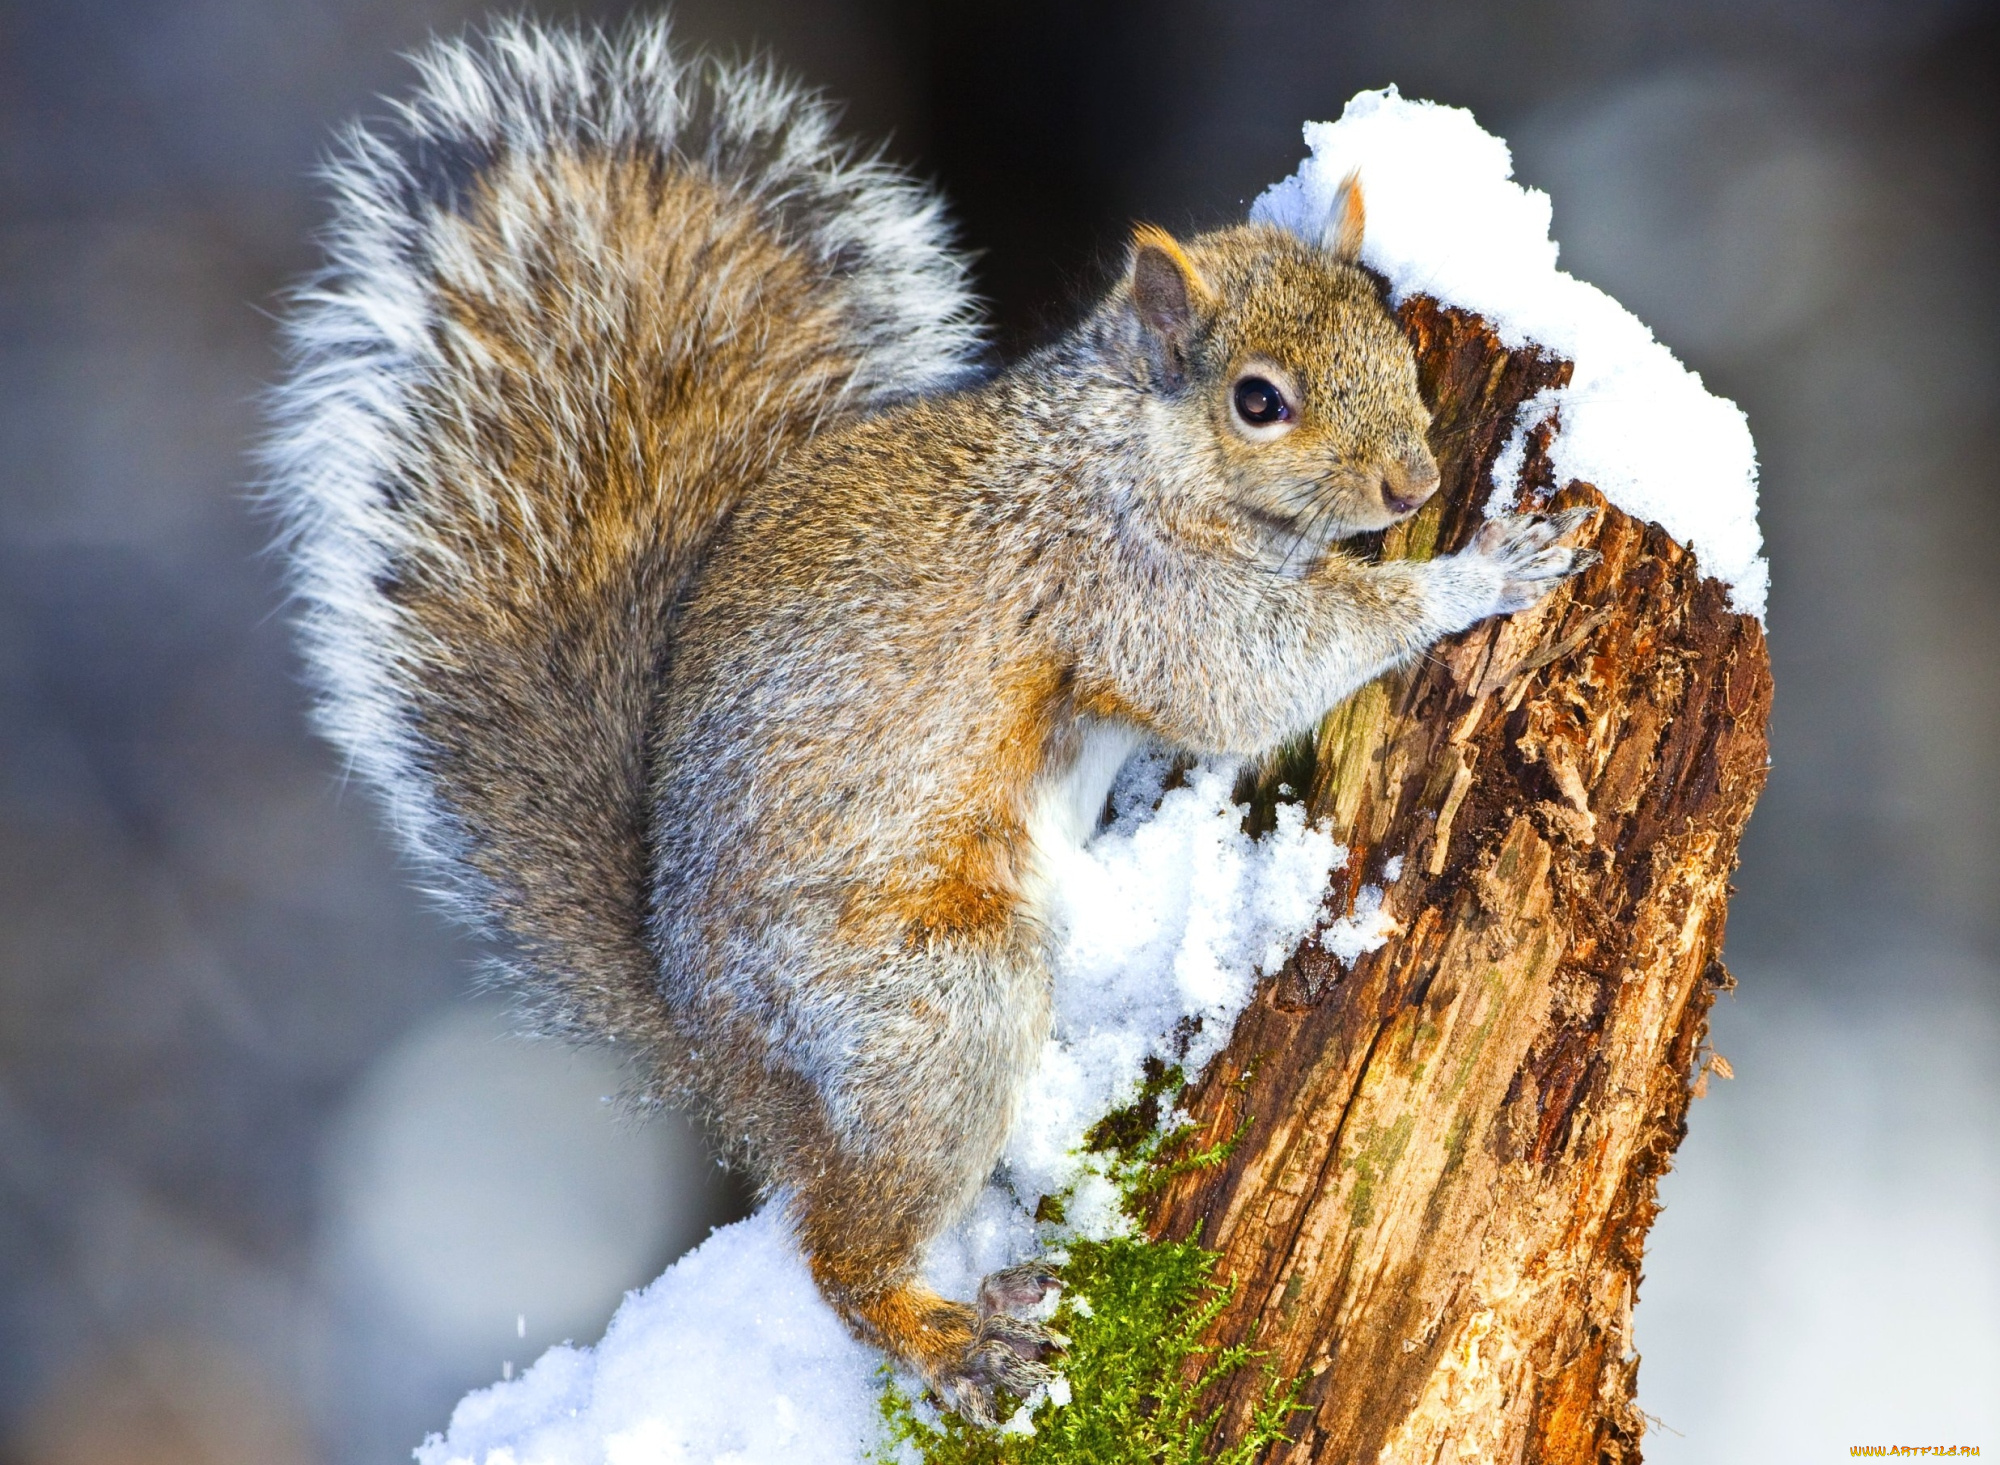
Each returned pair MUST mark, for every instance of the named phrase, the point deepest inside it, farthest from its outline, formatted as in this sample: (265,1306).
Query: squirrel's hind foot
(967,1352)
(1007,1355)
(1006,1352)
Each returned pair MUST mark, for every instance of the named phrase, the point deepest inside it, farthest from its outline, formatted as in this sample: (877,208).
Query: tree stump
(1436,1211)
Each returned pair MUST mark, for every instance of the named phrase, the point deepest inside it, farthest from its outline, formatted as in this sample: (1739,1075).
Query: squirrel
(732,648)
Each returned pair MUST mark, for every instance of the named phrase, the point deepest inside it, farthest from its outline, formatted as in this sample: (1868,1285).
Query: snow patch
(1446,219)
(1367,929)
(1512,458)
(730,1356)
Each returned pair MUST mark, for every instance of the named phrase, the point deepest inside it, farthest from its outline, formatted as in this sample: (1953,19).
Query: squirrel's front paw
(1005,1352)
(1522,558)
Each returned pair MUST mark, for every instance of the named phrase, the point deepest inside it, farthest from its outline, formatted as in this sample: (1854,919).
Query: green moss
(1133,1132)
(1134,1311)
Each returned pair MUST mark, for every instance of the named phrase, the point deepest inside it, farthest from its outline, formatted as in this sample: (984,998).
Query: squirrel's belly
(1068,802)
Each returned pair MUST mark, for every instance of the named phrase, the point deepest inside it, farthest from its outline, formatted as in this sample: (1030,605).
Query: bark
(1436,1212)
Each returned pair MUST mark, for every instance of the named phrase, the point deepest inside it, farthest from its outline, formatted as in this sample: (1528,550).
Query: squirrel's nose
(1408,481)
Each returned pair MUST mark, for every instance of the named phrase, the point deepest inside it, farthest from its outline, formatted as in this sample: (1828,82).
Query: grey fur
(736,662)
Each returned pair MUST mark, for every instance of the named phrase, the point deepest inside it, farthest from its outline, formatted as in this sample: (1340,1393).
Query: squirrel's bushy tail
(579,294)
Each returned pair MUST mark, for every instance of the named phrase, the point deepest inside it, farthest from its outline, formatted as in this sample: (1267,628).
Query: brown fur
(940,598)
(567,617)
(746,699)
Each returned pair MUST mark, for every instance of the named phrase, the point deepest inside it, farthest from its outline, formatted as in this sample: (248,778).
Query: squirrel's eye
(1260,403)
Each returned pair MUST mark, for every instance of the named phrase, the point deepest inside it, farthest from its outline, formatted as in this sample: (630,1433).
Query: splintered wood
(1437,1210)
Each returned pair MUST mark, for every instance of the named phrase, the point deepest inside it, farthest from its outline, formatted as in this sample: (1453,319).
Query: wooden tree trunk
(1437,1209)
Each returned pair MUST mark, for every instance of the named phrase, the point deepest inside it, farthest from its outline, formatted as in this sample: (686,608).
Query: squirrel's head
(1276,362)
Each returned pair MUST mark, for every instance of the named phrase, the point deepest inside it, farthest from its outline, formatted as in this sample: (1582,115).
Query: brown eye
(1260,403)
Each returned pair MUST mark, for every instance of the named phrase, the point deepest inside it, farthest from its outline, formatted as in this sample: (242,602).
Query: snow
(1167,917)
(731,1356)
(1367,929)
(1446,219)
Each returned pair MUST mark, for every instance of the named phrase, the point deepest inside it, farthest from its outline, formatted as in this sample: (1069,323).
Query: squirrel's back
(580,293)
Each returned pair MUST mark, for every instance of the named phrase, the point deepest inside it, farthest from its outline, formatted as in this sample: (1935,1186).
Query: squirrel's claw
(1516,534)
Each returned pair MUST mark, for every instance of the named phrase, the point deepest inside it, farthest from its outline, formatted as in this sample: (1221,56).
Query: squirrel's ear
(1346,221)
(1167,292)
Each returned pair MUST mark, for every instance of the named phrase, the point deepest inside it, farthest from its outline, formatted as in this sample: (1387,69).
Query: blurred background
(275,1187)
